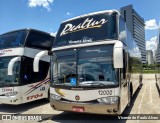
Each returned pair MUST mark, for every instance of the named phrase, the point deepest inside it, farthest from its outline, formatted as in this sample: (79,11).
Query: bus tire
(130,95)
(48,95)
(140,79)
(156,78)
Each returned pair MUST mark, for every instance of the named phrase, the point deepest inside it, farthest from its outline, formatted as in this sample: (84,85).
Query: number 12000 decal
(105,92)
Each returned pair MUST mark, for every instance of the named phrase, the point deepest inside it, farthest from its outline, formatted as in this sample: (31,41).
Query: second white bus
(18,82)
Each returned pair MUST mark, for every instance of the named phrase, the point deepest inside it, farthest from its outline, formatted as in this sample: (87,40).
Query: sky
(46,15)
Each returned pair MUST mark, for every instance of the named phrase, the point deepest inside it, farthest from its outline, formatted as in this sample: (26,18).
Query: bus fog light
(11,94)
(108,100)
(55,97)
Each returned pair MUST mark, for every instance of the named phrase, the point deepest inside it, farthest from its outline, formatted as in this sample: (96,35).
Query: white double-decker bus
(95,65)
(18,82)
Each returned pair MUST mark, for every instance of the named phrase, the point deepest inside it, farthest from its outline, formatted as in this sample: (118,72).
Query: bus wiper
(99,83)
(60,84)
(91,83)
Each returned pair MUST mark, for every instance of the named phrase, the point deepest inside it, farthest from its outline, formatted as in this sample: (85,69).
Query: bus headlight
(55,97)
(108,100)
(99,100)
(11,94)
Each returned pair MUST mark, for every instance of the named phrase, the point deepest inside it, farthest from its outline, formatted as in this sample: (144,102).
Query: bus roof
(27,29)
(93,13)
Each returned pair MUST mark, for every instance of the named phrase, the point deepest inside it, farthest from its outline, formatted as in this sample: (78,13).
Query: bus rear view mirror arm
(36,60)
(11,64)
(118,55)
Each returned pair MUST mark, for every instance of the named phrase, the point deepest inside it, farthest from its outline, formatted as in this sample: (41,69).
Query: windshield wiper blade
(93,83)
(60,84)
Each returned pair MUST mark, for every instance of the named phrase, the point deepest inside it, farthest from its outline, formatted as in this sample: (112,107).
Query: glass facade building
(135,24)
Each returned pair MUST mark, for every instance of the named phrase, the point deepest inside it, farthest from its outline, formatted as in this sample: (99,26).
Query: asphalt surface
(145,101)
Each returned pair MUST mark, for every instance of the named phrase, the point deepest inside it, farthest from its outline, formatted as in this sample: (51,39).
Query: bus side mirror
(11,64)
(37,59)
(118,55)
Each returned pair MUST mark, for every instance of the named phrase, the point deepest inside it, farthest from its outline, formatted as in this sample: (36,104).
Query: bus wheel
(156,77)
(48,96)
(130,96)
(140,79)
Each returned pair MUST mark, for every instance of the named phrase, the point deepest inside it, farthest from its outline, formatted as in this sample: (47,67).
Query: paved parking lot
(145,101)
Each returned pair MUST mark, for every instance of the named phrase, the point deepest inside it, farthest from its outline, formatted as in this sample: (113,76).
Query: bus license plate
(78,109)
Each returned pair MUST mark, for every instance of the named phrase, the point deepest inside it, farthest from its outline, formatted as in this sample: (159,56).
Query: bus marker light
(109,110)
(115,110)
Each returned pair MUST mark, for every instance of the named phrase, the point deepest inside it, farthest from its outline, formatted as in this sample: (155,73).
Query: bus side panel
(158,74)
(158,79)
(136,73)
(134,64)
(29,92)
(135,69)
(124,81)
(35,91)
(124,95)
(135,81)
(43,90)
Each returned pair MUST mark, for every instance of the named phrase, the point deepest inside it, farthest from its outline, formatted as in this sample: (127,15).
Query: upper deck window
(39,40)
(12,39)
(87,29)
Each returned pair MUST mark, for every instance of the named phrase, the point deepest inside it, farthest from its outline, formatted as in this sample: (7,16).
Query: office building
(149,57)
(136,26)
(157,54)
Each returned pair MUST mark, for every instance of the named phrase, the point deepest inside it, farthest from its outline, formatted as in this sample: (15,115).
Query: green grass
(149,71)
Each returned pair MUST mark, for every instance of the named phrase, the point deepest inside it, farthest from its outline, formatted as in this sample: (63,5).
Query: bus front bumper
(108,109)
(12,100)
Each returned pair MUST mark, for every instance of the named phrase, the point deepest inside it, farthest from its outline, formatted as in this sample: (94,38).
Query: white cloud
(68,14)
(151,24)
(44,3)
(152,44)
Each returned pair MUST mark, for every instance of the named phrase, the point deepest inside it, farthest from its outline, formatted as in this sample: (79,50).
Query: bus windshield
(88,29)
(89,66)
(12,39)
(5,79)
